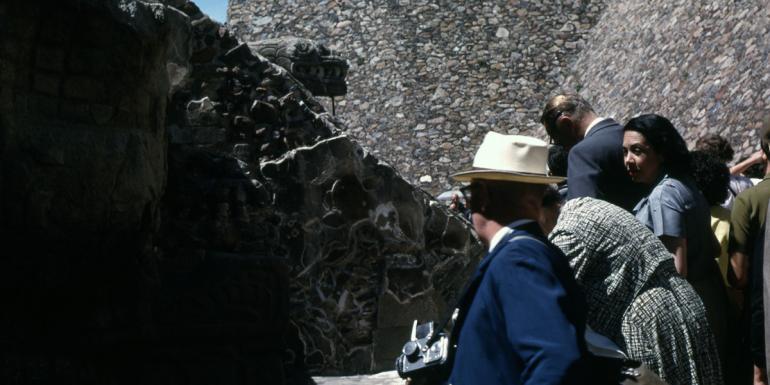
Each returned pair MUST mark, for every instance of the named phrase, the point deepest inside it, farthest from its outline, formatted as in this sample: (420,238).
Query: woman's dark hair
(756,170)
(716,145)
(557,160)
(711,175)
(665,140)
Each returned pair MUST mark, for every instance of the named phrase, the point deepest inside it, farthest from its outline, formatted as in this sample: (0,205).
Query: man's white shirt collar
(593,123)
(505,230)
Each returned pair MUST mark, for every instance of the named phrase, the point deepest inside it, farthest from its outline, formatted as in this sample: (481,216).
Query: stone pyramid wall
(428,79)
(701,64)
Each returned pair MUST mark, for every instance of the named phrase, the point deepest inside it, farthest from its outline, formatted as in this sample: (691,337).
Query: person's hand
(760,376)
(758,157)
(454,204)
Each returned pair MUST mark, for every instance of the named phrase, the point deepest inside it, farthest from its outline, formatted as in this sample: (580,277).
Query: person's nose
(628,160)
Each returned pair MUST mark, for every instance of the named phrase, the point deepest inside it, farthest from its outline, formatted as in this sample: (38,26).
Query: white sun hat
(510,158)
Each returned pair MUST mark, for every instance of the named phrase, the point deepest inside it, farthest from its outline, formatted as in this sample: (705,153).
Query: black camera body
(426,357)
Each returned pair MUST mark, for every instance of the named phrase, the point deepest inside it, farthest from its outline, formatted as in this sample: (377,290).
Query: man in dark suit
(595,163)
(522,320)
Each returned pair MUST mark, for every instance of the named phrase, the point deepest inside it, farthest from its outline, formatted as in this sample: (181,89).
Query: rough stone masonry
(702,64)
(427,79)
(175,209)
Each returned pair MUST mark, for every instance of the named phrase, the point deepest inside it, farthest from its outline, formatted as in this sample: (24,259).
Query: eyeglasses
(550,126)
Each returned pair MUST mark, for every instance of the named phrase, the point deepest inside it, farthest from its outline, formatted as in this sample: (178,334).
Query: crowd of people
(619,230)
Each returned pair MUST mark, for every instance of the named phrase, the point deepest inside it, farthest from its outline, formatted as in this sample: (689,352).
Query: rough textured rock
(315,66)
(83,108)
(428,79)
(82,162)
(177,209)
(367,252)
(89,296)
(703,65)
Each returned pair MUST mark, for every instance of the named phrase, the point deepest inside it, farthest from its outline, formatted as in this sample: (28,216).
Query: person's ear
(564,123)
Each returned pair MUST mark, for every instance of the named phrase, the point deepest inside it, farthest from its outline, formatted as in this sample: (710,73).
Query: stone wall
(175,209)
(89,294)
(702,64)
(259,167)
(428,79)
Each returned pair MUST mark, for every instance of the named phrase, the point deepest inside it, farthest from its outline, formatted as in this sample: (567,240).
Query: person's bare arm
(738,270)
(756,157)
(678,247)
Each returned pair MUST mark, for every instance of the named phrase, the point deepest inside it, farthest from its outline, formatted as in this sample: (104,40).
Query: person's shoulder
(608,125)
(591,147)
(524,247)
(607,134)
(672,191)
(672,184)
(755,194)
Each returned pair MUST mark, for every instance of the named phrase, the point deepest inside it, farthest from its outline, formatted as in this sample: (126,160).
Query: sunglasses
(550,126)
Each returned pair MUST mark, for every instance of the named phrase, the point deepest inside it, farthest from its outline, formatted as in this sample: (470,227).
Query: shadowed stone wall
(259,167)
(701,64)
(89,295)
(175,209)
(428,79)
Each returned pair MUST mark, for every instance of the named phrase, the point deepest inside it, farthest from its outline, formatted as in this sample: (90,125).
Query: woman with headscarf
(634,295)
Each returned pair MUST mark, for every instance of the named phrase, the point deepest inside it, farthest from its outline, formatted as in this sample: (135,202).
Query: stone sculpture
(317,67)
(367,252)
(175,208)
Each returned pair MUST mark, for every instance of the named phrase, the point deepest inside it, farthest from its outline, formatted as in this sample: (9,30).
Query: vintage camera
(426,357)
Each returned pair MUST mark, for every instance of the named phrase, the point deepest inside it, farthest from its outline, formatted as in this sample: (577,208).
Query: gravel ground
(384,378)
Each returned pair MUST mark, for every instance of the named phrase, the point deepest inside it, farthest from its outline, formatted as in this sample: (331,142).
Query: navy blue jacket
(526,322)
(595,168)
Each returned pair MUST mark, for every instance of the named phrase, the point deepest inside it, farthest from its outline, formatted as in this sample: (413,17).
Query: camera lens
(411,350)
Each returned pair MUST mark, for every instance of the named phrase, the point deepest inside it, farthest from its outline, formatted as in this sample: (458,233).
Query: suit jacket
(525,322)
(595,168)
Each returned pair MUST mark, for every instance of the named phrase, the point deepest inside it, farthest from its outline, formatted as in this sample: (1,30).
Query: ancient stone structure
(702,65)
(174,208)
(428,79)
(87,295)
(367,252)
(314,65)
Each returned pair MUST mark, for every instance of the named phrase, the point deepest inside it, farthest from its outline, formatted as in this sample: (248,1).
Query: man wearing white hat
(522,319)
